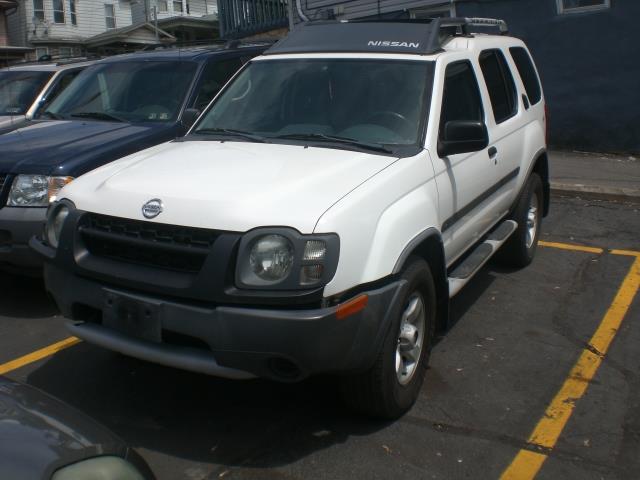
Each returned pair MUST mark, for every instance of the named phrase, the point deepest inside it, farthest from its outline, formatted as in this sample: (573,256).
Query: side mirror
(189,116)
(462,136)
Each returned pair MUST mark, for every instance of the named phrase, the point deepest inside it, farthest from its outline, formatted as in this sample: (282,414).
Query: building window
(38,11)
(41,52)
(110,15)
(433,12)
(64,52)
(58,11)
(575,6)
(177,6)
(163,6)
(72,12)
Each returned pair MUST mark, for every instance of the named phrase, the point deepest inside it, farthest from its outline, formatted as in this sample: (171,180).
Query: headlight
(271,258)
(283,259)
(55,222)
(99,468)
(35,190)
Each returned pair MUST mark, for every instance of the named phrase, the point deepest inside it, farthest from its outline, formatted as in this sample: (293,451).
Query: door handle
(493,154)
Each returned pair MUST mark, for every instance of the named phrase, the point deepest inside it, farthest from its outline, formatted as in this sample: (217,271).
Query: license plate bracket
(132,316)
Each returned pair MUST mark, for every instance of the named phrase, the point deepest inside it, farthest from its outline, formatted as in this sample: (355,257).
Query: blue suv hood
(76,147)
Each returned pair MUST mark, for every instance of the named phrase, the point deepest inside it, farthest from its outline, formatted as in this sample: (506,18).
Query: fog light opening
(284,368)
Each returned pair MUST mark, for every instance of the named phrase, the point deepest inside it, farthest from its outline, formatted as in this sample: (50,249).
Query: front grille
(155,245)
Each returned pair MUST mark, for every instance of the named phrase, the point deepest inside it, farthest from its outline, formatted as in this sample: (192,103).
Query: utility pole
(155,21)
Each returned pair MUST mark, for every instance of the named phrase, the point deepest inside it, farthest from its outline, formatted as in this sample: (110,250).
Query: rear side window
(500,83)
(527,72)
(461,96)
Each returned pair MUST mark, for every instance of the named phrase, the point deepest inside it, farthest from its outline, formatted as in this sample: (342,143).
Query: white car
(319,215)
(26,89)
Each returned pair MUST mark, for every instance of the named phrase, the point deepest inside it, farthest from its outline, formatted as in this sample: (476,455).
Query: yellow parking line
(38,355)
(569,246)
(526,464)
(628,253)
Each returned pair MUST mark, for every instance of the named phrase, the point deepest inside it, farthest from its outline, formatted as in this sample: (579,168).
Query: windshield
(19,89)
(126,91)
(367,101)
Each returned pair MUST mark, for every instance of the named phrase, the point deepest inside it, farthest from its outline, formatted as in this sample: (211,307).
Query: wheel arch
(428,245)
(541,167)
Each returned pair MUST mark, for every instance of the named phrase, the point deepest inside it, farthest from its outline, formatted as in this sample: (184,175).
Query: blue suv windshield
(18,90)
(132,91)
(325,100)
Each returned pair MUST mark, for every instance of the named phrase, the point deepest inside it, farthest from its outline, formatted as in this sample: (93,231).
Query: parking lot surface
(538,376)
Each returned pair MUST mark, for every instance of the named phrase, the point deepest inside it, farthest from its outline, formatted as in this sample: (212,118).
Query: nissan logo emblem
(152,208)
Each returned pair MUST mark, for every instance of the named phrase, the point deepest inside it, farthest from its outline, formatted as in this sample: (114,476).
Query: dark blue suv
(116,107)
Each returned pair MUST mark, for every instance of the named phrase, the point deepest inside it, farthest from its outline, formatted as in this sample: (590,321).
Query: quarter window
(110,15)
(58,11)
(502,88)
(461,96)
(575,6)
(38,10)
(72,12)
(528,74)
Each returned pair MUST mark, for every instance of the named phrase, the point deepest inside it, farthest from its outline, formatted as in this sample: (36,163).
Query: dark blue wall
(589,64)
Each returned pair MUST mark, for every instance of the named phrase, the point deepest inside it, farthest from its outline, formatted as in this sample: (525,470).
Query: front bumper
(233,341)
(17,226)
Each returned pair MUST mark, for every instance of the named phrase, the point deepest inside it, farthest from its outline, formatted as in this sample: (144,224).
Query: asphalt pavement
(514,339)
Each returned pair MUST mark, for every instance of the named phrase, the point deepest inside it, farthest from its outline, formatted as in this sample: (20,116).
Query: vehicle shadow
(254,424)
(24,297)
(198,418)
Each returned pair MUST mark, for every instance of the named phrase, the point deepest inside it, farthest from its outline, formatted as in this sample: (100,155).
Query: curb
(595,191)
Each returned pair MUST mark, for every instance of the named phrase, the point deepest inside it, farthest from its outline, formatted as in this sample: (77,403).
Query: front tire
(520,249)
(392,385)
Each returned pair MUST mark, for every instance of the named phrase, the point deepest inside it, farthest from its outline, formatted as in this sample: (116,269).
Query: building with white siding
(63,28)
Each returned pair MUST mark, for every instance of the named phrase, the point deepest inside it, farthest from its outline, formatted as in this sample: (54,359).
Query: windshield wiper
(232,132)
(52,115)
(376,147)
(99,116)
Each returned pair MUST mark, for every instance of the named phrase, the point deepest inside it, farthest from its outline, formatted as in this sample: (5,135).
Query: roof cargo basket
(413,36)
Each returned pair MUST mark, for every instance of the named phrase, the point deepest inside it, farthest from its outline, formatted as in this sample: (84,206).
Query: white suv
(319,215)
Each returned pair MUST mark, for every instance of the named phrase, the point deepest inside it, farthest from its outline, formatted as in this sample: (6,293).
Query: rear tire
(520,249)
(392,385)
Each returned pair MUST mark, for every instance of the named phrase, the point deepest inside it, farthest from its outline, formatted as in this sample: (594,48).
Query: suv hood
(72,147)
(231,186)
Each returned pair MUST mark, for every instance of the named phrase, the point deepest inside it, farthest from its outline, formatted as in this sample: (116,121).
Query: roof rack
(413,36)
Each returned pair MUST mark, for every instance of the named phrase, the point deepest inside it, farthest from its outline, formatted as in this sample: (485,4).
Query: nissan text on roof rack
(319,215)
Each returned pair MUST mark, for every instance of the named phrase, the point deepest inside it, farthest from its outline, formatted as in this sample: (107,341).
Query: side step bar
(464,272)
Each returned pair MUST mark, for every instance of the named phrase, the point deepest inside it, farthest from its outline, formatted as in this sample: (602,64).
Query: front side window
(38,11)
(381,101)
(58,11)
(214,76)
(18,90)
(500,83)
(576,6)
(461,99)
(110,15)
(136,91)
(72,12)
